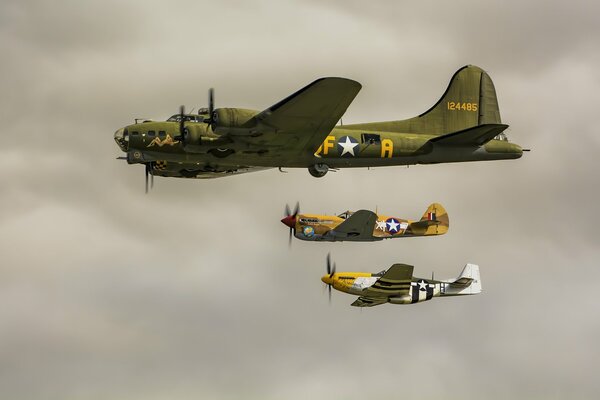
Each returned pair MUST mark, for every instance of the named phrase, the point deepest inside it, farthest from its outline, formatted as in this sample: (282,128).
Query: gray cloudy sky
(191,291)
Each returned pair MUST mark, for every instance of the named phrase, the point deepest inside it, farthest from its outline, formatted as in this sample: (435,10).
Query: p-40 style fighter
(300,132)
(364,225)
(397,285)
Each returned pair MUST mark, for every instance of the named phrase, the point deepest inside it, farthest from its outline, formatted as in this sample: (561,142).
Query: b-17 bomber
(300,132)
(364,225)
(397,285)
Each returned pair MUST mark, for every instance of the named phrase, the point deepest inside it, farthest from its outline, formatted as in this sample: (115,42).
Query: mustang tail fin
(469,101)
(435,221)
(468,282)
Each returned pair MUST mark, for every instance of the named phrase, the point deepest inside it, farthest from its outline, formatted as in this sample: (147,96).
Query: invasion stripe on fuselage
(415,294)
(429,295)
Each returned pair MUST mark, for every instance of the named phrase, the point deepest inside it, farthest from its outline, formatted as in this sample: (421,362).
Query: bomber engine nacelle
(232,120)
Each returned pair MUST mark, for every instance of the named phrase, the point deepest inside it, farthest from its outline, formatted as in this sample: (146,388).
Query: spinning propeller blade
(149,173)
(289,219)
(330,272)
(182,124)
(211,103)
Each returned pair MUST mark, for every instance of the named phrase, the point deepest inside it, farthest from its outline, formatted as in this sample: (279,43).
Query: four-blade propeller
(289,219)
(330,272)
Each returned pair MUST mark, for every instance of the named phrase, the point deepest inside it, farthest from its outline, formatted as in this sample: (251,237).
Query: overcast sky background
(191,291)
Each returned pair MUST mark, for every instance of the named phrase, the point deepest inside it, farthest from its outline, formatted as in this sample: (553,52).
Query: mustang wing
(369,301)
(307,116)
(360,223)
(394,282)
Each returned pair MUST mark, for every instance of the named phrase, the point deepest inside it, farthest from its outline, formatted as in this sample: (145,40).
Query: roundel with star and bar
(393,225)
(347,146)
(421,291)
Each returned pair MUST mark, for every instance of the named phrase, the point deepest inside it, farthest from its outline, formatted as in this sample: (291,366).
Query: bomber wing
(360,224)
(299,123)
(394,282)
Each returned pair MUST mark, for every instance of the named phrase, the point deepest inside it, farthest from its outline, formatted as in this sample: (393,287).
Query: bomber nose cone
(122,138)
(290,221)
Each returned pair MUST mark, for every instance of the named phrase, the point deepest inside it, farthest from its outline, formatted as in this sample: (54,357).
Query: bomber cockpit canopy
(187,117)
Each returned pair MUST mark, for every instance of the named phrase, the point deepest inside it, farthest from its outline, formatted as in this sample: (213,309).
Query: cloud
(191,290)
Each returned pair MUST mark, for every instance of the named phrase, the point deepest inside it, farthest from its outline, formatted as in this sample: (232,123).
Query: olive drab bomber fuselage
(300,132)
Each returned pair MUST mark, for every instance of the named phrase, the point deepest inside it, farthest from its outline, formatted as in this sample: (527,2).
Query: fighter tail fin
(468,282)
(435,221)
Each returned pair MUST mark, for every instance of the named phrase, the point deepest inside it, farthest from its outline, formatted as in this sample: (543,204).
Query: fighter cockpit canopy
(345,214)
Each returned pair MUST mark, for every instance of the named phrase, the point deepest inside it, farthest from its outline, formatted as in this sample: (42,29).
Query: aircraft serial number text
(458,106)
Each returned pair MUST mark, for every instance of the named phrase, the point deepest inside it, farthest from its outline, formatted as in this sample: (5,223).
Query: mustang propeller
(328,279)
(290,219)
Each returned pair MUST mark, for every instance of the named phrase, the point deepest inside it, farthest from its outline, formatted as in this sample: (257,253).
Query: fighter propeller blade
(330,272)
(330,269)
(289,219)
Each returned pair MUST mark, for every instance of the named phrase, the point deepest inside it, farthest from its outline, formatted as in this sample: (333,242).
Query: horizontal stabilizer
(476,136)
(462,281)
(468,282)
(423,224)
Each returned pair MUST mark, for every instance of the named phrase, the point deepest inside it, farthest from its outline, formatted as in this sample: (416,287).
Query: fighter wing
(394,282)
(303,120)
(369,301)
(360,223)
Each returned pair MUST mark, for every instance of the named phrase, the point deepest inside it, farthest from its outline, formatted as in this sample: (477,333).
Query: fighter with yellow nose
(397,285)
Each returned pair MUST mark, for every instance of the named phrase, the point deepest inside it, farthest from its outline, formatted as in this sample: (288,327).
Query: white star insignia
(348,146)
(381,225)
(393,225)
(422,285)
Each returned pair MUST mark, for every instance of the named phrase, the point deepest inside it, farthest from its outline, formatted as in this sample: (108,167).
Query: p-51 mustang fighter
(364,225)
(397,285)
(300,132)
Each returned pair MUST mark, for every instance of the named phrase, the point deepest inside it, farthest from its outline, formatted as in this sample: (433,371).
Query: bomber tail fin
(469,101)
